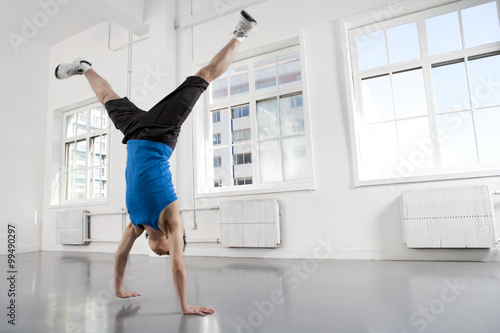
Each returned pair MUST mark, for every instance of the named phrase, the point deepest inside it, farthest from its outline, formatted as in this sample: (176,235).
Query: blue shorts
(149,181)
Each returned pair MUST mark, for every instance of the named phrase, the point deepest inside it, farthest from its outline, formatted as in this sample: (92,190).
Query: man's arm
(176,246)
(129,236)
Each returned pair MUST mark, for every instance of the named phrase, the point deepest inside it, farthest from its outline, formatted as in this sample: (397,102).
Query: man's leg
(220,63)
(222,60)
(80,66)
(100,86)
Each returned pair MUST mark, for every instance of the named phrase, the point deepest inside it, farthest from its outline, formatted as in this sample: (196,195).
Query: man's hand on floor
(126,294)
(197,310)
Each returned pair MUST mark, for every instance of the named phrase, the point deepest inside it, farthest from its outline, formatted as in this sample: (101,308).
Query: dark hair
(183,239)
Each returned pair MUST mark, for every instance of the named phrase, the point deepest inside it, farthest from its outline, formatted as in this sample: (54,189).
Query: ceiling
(60,19)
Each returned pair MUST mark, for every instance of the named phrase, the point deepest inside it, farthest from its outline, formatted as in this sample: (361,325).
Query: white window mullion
(429,93)
(255,143)
(472,109)
(64,171)
(473,115)
(395,121)
(278,104)
(101,167)
(87,162)
(387,47)
(93,165)
(231,146)
(101,175)
(209,149)
(67,181)
(424,44)
(359,133)
(432,116)
(462,33)
(74,168)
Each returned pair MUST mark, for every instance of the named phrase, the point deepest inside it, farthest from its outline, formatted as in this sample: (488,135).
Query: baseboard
(352,254)
(23,249)
(95,248)
(215,250)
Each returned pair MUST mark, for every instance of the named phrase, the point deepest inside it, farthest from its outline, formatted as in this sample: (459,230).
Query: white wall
(23,114)
(359,223)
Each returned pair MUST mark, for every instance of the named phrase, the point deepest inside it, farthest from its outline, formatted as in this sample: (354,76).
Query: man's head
(160,246)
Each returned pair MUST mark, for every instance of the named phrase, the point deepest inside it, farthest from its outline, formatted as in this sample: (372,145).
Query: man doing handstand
(151,138)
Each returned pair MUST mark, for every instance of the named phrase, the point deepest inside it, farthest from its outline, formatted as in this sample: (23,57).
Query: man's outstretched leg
(100,86)
(80,66)
(220,63)
(222,60)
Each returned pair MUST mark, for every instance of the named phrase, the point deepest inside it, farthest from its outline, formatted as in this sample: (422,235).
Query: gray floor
(72,292)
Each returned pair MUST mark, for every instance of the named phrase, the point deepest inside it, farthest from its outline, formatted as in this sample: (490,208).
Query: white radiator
(253,223)
(461,217)
(72,227)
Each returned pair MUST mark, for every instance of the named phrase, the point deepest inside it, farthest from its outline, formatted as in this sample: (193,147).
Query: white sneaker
(77,67)
(245,27)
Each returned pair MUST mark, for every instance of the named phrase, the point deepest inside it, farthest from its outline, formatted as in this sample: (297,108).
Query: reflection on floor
(72,292)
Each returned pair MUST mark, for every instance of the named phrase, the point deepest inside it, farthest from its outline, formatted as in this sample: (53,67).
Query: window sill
(430,177)
(80,204)
(256,189)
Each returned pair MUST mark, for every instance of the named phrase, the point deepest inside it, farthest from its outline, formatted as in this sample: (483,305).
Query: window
(261,134)
(216,139)
(242,158)
(215,117)
(242,181)
(85,153)
(241,111)
(427,94)
(241,135)
(217,161)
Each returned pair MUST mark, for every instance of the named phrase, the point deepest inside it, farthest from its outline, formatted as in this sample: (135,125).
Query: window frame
(395,15)
(204,179)
(87,136)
